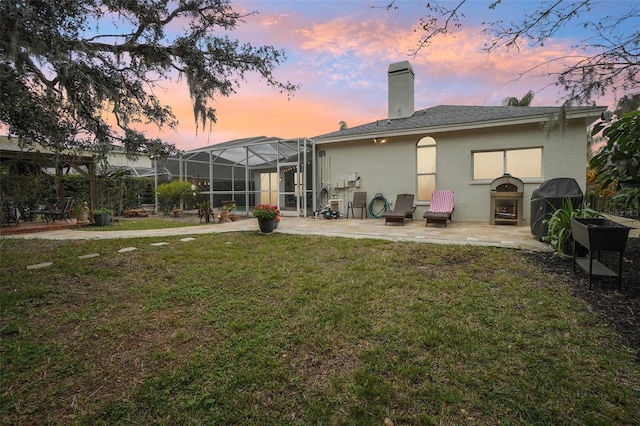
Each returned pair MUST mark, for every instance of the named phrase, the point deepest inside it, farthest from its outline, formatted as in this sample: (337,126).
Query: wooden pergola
(10,150)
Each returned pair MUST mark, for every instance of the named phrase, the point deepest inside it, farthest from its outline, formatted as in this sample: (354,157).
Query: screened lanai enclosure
(251,171)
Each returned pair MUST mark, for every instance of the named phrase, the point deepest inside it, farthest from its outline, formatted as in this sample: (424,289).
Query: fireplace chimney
(400,90)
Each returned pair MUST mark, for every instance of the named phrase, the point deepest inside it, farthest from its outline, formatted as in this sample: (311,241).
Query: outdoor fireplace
(506,201)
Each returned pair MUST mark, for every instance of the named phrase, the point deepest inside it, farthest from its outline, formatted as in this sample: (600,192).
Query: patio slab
(473,233)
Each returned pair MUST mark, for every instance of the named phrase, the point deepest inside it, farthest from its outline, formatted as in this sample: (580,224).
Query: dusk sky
(339,52)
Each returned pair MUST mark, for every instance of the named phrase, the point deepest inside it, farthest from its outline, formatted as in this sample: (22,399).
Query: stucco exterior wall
(562,156)
(390,168)
(119,159)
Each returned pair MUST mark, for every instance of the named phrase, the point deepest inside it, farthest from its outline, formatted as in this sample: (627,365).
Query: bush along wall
(24,183)
(30,186)
(121,191)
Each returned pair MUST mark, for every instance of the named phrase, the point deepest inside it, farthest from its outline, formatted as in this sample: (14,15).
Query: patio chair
(59,213)
(403,208)
(359,202)
(441,208)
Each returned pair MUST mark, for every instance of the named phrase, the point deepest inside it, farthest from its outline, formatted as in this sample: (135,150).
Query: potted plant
(224,214)
(102,216)
(559,227)
(268,216)
(233,216)
(81,212)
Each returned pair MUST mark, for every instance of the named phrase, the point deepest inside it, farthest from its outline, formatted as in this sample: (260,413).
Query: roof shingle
(456,115)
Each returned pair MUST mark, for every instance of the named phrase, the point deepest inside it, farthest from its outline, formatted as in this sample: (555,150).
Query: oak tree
(606,59)
(85,74)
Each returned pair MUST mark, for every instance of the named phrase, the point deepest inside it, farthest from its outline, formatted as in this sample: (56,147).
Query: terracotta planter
(233,217)
(82,217)
(267,225)
(224,215)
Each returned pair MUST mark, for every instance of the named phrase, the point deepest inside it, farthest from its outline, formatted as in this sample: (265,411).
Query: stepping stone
(39,265)
(187,239)
(162,243)
(89,256)
(127,249)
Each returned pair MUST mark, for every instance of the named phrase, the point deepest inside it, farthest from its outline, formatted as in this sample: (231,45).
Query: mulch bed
(620,308)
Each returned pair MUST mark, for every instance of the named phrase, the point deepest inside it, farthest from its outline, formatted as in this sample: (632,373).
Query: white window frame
(504,163)
(419,147)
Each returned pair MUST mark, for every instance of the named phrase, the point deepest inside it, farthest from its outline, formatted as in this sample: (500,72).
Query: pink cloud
(341,63)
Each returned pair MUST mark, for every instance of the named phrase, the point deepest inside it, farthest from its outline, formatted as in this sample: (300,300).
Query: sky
(339,52)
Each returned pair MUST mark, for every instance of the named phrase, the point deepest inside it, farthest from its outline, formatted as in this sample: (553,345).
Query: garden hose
(323,197)
(385,203)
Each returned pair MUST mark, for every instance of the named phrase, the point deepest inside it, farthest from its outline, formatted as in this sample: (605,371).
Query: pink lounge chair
(441,208)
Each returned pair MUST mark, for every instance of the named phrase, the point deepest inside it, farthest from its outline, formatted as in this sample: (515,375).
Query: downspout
(211,177)
(181,167)
(246,181)
(314,180)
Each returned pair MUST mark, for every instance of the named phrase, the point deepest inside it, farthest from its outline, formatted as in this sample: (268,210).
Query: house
(462,148)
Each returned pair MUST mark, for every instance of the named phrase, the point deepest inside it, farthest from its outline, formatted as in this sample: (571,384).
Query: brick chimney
(401,79)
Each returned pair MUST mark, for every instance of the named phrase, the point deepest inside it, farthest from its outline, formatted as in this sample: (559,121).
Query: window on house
(520,163)
(269,188)
(426,168)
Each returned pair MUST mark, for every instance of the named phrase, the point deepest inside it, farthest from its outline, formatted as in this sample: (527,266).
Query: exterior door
(290,189)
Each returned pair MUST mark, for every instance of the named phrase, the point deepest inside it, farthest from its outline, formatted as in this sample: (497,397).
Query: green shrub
(102,210)
(559,226)
(618,161)
(172,194)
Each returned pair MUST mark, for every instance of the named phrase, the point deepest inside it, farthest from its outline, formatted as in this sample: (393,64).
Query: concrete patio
(471,233)
(455,233)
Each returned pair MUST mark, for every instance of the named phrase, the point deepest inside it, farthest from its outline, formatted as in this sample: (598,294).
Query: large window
(520,163)
(426,167)
(268,188)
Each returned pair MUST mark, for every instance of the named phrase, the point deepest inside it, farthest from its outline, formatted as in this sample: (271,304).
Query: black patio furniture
(403,208)
(58,212)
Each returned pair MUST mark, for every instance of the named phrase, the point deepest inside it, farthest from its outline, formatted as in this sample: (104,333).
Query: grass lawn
(244,328)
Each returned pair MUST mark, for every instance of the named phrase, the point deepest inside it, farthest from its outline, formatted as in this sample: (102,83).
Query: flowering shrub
(80,208)
(266,211)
